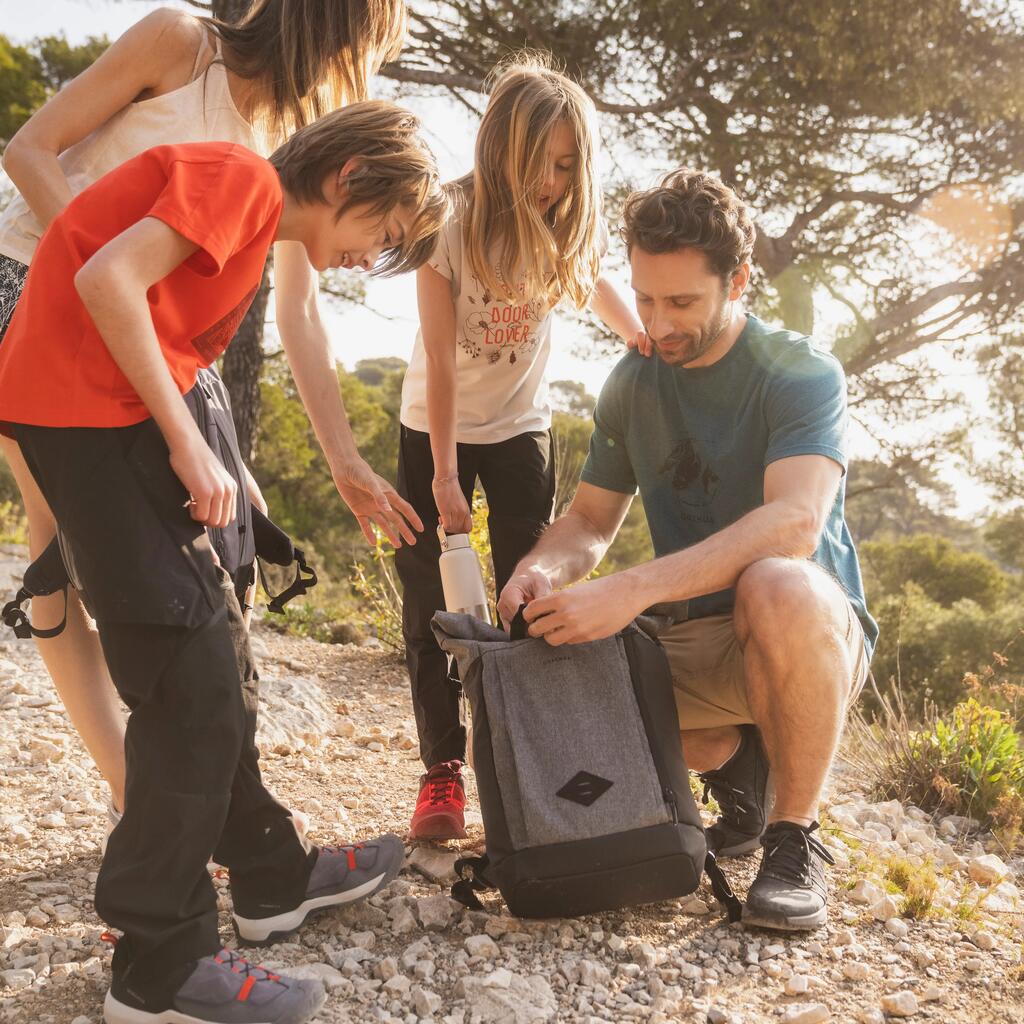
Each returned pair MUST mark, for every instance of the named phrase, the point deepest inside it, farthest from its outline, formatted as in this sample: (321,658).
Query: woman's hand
(375,502)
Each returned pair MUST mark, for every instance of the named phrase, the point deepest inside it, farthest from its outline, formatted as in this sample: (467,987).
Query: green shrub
(927,648)
(916,884)
(944,573)
(969,761)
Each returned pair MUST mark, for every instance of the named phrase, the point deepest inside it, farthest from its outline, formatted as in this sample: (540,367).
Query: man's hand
(452,506)
(374,501)
(641,342)
(588,611)
(212,490)
(523,587)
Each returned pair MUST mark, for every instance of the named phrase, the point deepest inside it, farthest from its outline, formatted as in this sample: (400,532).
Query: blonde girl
(526,234)
(175,78)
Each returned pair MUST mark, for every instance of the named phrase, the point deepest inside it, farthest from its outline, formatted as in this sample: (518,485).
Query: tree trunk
(243,361)
(242,367)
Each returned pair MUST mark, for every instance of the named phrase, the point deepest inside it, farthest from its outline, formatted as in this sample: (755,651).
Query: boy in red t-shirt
(141,281)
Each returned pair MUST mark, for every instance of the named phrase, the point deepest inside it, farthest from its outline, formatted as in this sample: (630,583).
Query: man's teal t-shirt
(696,442)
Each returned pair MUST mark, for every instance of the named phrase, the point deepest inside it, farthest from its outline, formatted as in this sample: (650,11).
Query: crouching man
(736,435)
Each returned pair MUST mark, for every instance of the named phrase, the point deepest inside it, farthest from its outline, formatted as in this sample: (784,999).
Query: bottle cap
(455,540)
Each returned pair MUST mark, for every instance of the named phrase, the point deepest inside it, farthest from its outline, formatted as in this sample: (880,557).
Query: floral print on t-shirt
(495,329)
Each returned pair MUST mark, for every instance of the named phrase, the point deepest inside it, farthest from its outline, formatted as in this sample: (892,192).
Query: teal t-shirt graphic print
(696,442)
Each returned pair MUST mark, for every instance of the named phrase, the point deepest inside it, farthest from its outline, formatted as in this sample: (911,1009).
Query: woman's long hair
(506,236)
(309,56)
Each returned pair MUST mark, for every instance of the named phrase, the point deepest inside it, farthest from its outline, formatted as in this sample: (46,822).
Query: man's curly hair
(691,210)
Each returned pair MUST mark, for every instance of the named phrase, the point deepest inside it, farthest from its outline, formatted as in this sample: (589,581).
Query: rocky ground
(339,745)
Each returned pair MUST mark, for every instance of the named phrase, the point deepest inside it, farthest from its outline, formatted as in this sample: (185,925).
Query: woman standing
(175,78)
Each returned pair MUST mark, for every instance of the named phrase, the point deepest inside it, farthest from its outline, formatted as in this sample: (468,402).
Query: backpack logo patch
(584,788)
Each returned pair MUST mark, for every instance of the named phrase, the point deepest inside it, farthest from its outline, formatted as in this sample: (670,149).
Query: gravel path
(339,745)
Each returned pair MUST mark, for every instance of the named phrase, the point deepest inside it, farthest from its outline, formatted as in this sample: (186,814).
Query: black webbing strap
(721,888)
(519,628)
(305,579)
(16,617)
(471,881)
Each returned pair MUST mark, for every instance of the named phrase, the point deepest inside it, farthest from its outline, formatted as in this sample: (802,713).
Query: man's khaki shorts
(708,676)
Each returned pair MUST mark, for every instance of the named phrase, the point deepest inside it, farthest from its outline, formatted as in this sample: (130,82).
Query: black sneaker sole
(783,922)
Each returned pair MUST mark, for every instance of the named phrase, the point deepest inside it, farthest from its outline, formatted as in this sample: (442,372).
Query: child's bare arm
(609,305)
(437,321)
(113,286)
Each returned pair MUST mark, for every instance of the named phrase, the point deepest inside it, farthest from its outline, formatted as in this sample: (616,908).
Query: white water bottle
(461,578)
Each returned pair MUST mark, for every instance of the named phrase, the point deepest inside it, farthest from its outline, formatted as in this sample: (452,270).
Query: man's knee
(787,597)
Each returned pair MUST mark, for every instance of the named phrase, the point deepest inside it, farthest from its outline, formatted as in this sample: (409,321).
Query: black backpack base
(591,876)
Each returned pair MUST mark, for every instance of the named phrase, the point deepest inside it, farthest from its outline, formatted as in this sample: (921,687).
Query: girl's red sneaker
(441,806)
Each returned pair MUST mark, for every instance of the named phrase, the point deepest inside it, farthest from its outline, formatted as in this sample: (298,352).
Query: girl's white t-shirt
(501,354)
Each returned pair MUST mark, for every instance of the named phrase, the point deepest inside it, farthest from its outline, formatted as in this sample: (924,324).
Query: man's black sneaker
(790,891)
(742,789)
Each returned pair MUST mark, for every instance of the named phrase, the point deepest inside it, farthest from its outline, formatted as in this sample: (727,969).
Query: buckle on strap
(305,579)
(471,881)
(16,617)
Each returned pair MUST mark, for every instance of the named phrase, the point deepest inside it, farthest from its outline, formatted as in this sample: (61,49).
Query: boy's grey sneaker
(790,891)
(341,874)
(225,989)
(743,790)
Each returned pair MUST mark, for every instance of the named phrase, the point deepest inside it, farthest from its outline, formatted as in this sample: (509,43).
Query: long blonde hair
(309,56)
(506,237)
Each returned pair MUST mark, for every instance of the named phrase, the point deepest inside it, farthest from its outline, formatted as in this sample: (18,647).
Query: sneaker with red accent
(221,989)
(341,874)
(441,808)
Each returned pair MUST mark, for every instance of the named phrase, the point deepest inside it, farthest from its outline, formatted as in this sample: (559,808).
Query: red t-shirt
(55,369)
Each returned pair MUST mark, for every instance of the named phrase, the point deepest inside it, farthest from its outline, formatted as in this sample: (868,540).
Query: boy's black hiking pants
(518,478)
(178,653)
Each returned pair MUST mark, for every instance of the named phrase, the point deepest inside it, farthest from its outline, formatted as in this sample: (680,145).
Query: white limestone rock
(481,945)
(806,1013)
(294,714)
(435,912)
(526,1000)
(987,869)
(900,1004)
(436,865)
(797,985)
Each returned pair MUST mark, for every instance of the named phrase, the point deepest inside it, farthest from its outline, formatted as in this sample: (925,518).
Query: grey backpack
(584,793)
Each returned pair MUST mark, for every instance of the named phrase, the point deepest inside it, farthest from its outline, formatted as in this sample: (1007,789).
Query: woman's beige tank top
(201,111)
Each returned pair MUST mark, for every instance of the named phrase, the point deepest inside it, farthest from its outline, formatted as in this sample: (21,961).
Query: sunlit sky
(359,333)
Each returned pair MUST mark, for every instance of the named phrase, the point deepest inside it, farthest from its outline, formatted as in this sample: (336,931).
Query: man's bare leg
(708,749)
(792,622)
